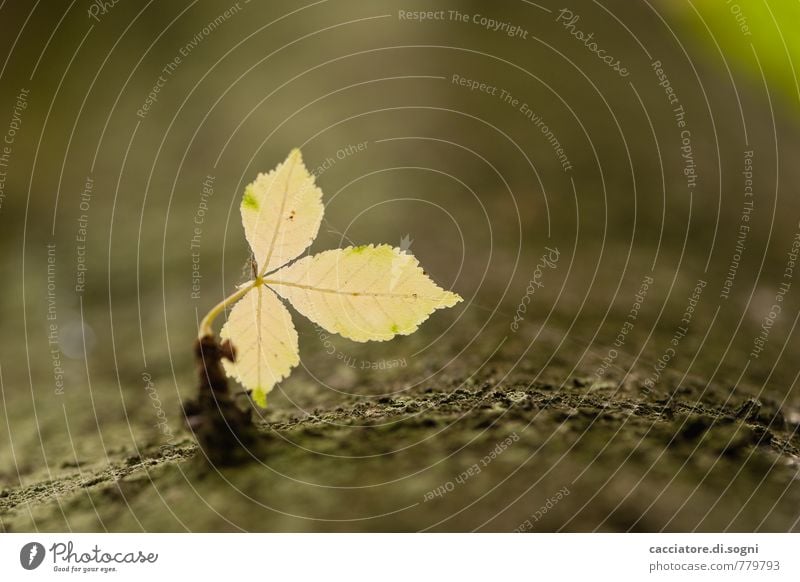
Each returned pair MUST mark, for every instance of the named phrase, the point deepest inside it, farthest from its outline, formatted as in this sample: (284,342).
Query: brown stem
(225,432)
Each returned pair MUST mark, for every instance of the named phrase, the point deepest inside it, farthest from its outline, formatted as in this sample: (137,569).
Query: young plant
(369,292)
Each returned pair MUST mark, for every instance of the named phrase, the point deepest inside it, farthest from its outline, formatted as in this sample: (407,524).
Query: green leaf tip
(260,397)
(249,200)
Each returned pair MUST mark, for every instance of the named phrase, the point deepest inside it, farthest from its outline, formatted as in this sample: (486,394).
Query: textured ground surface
(691,457)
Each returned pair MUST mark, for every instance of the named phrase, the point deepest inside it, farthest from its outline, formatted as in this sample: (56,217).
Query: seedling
(368,292)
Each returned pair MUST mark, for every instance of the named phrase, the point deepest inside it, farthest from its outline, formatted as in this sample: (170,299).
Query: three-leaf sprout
(369,292)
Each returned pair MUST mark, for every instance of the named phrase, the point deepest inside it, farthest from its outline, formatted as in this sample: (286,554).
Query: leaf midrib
(271,282)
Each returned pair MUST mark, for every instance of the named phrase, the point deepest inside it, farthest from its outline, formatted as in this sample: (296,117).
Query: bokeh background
(131,129)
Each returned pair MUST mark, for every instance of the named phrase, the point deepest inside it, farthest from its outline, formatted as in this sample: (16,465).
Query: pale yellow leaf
(260,328)
(363,293)
(281,213)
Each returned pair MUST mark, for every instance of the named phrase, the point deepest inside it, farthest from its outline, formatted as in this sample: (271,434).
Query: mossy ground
(683,457)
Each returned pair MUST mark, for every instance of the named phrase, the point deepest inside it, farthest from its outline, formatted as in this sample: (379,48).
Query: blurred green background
(464,174)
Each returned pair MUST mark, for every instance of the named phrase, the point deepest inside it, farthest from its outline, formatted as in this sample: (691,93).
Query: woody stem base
(226,433)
